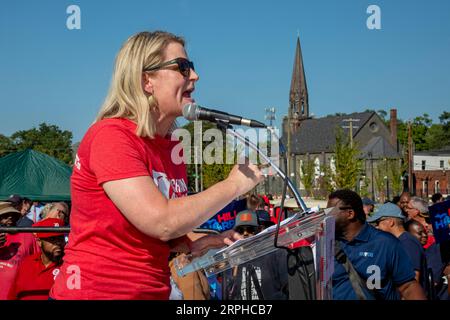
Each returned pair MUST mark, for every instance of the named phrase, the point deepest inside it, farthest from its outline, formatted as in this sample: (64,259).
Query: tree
(380,181)
(326,183)
(210,173)
(396,169)
(6,145)
(48,139)
(307,171)
(347,163)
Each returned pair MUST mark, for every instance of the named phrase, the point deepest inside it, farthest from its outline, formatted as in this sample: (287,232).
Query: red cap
(49,222)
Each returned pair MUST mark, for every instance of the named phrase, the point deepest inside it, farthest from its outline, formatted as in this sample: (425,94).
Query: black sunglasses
(248,229)
(184,66)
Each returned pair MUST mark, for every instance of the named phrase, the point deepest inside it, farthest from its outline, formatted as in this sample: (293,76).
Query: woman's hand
(245,177)
(201,246)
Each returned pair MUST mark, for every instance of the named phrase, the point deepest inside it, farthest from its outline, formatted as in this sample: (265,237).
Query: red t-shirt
(16,248)
(106,256)
(33,280)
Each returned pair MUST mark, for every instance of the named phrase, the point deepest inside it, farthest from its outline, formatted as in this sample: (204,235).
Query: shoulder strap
(355,279)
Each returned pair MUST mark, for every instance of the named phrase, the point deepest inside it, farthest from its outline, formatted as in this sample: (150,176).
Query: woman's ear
(147,83)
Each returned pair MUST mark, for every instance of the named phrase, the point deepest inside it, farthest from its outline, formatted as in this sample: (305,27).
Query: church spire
(298,96)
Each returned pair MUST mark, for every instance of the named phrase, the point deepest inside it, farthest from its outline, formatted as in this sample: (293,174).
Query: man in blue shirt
(377,256)
(389,218)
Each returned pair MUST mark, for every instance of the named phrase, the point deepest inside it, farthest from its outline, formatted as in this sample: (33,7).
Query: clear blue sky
(243,51)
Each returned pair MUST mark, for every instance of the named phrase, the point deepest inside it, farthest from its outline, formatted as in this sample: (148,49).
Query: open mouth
(187,93)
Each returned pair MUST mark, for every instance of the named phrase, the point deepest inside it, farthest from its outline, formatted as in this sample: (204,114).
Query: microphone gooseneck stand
(302,286)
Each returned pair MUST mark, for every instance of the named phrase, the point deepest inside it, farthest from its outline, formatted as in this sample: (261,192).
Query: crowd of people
(29,262)
(397,235)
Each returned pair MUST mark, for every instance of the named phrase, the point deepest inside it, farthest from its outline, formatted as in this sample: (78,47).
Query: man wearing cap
(37,273)
(389,218)
(368,206)
(261,279)
(13,248)
(372,253)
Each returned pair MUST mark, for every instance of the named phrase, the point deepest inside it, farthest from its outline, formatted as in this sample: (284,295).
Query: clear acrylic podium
(317,223)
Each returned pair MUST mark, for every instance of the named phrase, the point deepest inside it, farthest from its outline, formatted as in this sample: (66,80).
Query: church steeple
(298,96)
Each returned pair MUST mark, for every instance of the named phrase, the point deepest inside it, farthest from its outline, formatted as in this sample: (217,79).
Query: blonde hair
(50,206)
(126,97)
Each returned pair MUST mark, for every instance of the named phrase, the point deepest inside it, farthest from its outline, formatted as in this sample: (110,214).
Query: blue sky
(243,51)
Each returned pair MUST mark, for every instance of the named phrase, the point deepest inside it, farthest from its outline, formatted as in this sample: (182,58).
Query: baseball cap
(15,199)
(49,222)
(263,218)
(368,202)
(246,218)
(387,210)
(6,207)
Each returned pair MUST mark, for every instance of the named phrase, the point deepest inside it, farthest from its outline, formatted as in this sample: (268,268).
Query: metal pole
(371,171)
(291,186)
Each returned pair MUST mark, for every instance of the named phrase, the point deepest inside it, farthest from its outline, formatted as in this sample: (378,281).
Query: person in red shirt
(130,207)
(13,248)
(36,273)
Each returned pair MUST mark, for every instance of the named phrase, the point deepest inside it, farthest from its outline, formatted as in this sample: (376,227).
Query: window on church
(423,164)
(441,164)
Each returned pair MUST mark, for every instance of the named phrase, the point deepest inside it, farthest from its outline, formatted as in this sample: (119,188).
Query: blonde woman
(58,210)
(129,203)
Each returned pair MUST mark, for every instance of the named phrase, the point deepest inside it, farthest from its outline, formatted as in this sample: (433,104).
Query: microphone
(193,112)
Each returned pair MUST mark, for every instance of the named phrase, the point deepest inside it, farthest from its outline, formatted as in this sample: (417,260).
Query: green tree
(326,183)
(347,163)
(307,170)
(380,181)
(6,145)
(395,171)
(210,173)
(49,139)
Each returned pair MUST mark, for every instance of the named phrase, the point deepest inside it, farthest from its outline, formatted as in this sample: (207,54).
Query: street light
(371,171)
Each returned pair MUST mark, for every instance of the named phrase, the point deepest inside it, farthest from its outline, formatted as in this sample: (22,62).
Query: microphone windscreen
(189,112)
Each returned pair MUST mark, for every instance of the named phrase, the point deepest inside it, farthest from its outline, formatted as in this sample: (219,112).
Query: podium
(314,222)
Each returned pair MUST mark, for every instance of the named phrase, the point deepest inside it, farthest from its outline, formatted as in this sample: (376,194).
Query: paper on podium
(299,226)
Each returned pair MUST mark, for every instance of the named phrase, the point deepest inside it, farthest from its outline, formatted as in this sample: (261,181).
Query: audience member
(417,209)
(36,273)
(437,197)
(23,206)
(403,203)
(58,210)
(363,246)
(434,258)
(264,278)
(13,248)
(368,206)
(389,218)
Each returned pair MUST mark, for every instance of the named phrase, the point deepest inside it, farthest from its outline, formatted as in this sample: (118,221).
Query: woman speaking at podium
(129,203)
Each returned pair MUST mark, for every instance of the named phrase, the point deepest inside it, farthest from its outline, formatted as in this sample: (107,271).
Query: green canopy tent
(34,175)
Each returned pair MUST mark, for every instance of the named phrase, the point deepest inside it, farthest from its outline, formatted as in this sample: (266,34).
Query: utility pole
(410,159)
(351,126)
(270,116)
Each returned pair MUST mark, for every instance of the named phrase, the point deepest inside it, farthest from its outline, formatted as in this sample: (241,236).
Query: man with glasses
(389,218)
(417,209)
(381,265)
(264,278)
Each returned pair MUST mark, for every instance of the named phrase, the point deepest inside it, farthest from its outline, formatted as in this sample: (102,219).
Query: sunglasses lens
(185,67)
